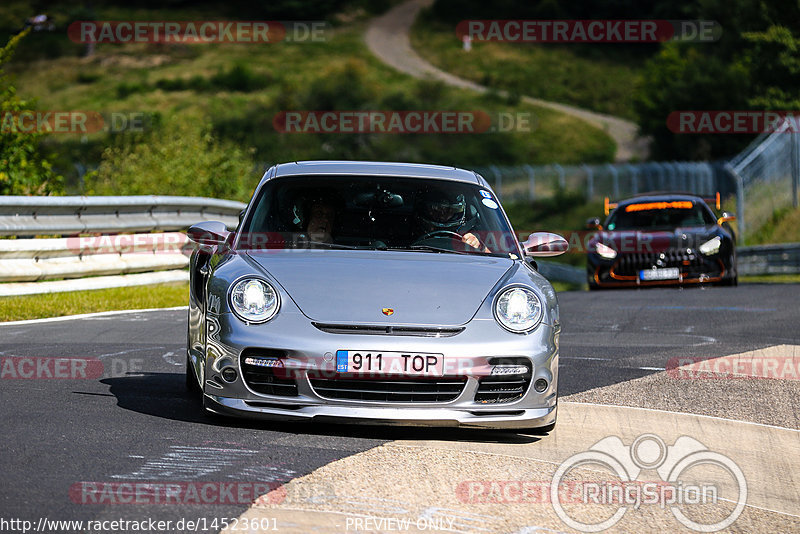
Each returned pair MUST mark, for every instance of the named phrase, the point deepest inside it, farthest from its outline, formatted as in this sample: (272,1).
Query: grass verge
(77,302)
(589,76)
(771,279)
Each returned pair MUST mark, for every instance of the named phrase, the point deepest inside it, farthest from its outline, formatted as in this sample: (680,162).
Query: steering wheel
(443,233)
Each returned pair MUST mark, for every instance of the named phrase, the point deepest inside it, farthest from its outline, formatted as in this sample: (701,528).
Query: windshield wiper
(330,245)
(427,248)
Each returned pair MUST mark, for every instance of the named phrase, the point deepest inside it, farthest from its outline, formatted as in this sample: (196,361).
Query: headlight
(518,310)
(604,251)
(711,246)
(254,300)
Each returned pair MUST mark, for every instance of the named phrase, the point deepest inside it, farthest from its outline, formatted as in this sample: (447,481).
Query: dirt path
(388,38)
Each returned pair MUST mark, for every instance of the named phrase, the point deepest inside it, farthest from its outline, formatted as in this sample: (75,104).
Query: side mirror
(726,217)
(545,244)
(593,223)
(208,233)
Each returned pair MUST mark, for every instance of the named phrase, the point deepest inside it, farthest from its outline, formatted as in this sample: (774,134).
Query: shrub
(181,157)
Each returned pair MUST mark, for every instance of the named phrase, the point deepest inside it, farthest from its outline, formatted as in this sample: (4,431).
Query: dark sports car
(661,239)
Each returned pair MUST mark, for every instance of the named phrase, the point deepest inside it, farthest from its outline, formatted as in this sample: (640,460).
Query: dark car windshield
(660,215)
(377,212)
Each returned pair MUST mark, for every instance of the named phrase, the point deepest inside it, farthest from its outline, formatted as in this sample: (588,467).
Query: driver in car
(442,214)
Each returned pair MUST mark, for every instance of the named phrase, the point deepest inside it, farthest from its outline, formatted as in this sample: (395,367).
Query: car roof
(376,168)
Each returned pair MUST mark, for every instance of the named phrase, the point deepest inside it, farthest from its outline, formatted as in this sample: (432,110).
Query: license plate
(389,363)
(671,273)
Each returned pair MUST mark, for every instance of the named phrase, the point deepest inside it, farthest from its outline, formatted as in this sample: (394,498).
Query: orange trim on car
(710,279)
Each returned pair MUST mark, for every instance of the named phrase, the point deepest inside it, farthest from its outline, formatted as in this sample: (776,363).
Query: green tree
(23,169)
(754,66)
(180,157)
(774,60)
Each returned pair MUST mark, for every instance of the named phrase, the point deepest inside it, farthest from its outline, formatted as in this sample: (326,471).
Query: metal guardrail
(752,260)
(30,216)
(562,272)
(100,261)
(769,259)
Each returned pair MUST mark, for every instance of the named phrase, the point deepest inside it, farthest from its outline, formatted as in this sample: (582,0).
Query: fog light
(264,362)
(540,385)
(229,374)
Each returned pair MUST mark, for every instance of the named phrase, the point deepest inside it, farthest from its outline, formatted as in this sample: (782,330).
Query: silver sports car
(368,292)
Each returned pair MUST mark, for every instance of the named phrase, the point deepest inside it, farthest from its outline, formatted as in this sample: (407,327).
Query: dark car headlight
(518,310)
(604,251)
(254,300)
(711,246)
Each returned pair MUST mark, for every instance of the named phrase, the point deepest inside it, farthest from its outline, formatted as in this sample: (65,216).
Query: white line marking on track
(168,357)
(684,413)
(89,316)
(120,353)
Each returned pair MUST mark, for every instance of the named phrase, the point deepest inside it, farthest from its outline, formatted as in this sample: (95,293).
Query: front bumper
(445,417)
(623,271)
(306,350)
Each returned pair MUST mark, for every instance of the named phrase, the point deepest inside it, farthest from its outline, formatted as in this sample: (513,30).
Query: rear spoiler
(608,205)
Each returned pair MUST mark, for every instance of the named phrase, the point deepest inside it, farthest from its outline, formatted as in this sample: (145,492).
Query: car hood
(352,287)
(637,241)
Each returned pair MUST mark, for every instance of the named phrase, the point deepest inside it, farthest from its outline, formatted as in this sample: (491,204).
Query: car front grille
(629,264)
(379,390)
(388,330)
(503,388)
(267,380)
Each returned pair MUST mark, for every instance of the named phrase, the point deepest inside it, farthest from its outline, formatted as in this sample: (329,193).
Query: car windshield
(661,215)
(379,213)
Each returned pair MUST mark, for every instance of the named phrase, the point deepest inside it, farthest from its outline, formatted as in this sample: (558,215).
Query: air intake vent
(270,380)
(504,387)
(433,390)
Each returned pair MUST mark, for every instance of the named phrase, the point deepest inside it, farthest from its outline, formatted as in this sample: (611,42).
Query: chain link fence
(529,182)
(764,178)
(767,175)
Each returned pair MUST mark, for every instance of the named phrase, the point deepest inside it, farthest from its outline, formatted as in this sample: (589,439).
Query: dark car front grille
(390,390)
(267,380)
(629,264)
(381,330)
(503,388)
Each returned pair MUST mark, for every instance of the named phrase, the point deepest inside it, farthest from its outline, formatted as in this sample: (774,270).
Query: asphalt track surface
(136,423)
